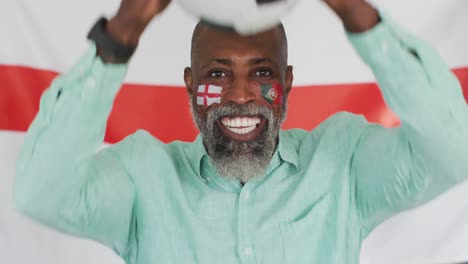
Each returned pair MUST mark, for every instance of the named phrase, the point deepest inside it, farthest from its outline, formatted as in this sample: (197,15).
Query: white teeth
(244,122)
(240,125)
(242,130)
(237,122)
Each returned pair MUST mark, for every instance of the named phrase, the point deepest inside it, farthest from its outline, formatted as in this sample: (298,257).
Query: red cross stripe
(208,94)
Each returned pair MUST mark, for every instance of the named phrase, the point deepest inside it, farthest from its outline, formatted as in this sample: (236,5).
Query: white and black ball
(245,16)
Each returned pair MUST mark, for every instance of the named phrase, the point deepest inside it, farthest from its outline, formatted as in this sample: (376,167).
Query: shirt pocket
(307,239)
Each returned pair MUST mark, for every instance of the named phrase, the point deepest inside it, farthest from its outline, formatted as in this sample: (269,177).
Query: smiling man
(244,191)
(240,134)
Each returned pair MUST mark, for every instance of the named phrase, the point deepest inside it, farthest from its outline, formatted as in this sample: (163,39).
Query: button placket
(246,250)
(246,196)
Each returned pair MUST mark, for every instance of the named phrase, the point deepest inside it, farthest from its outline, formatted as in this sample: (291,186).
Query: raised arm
(62,179)
(396,169)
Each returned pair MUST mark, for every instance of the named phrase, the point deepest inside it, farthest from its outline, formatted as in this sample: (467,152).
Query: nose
(240,92)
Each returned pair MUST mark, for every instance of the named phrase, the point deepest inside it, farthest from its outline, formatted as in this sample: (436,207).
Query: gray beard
(242,161)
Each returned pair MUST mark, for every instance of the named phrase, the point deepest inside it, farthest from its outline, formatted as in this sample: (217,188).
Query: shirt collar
(197,153)
(286,151)
(205,171)
(287,148)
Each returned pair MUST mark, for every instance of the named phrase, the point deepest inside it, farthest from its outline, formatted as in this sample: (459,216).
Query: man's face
(240,130)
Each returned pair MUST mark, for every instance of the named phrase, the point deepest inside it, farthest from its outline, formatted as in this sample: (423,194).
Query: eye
(263,73)
(217,74)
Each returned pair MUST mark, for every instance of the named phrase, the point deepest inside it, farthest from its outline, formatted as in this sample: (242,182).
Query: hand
(139,13)
(356,15)
(341,7)
(133,17)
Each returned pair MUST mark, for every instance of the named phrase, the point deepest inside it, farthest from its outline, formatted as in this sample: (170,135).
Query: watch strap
(107,45)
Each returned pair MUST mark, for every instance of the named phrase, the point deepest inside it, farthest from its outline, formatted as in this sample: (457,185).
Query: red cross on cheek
(208,94)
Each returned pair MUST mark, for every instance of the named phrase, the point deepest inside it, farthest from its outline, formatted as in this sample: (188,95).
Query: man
(244,191)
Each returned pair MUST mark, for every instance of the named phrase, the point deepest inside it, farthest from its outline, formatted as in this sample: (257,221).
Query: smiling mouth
(241,128)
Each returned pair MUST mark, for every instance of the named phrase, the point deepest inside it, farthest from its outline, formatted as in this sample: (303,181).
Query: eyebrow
(224,61)
(259,60)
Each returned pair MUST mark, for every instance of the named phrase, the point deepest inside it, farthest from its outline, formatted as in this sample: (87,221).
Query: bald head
(278,35)
(240,66)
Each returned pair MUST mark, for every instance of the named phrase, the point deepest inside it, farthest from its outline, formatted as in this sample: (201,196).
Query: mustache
(233,109)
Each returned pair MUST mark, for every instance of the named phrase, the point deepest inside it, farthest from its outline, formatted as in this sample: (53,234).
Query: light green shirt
(323,192)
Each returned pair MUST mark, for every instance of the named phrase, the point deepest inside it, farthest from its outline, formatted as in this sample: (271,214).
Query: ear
(188,81)
(288,80)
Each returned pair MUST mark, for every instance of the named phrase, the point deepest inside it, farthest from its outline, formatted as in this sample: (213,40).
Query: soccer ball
(245,16)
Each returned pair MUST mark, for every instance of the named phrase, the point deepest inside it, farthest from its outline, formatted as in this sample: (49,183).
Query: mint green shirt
(323,191)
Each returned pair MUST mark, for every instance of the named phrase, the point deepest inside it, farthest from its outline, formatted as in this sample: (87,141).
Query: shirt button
(90,82)
(384,46)
(247,251)
(246,196)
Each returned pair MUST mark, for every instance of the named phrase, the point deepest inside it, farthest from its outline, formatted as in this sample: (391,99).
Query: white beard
(242,161)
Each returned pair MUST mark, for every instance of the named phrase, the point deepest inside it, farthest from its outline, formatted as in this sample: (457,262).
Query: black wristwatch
(108,46)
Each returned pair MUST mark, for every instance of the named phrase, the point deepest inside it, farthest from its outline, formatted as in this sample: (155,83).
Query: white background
(50,34)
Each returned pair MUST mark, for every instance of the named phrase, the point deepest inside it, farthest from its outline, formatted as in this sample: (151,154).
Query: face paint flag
(208,94)
(273,93)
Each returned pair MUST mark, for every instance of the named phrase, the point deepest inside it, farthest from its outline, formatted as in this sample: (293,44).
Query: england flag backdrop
(40,39)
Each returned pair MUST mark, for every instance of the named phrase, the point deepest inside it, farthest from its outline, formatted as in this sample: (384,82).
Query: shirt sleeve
(61,179)
(400,168)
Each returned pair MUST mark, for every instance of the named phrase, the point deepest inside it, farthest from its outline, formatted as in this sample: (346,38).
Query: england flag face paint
(273,93)
(208,94)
